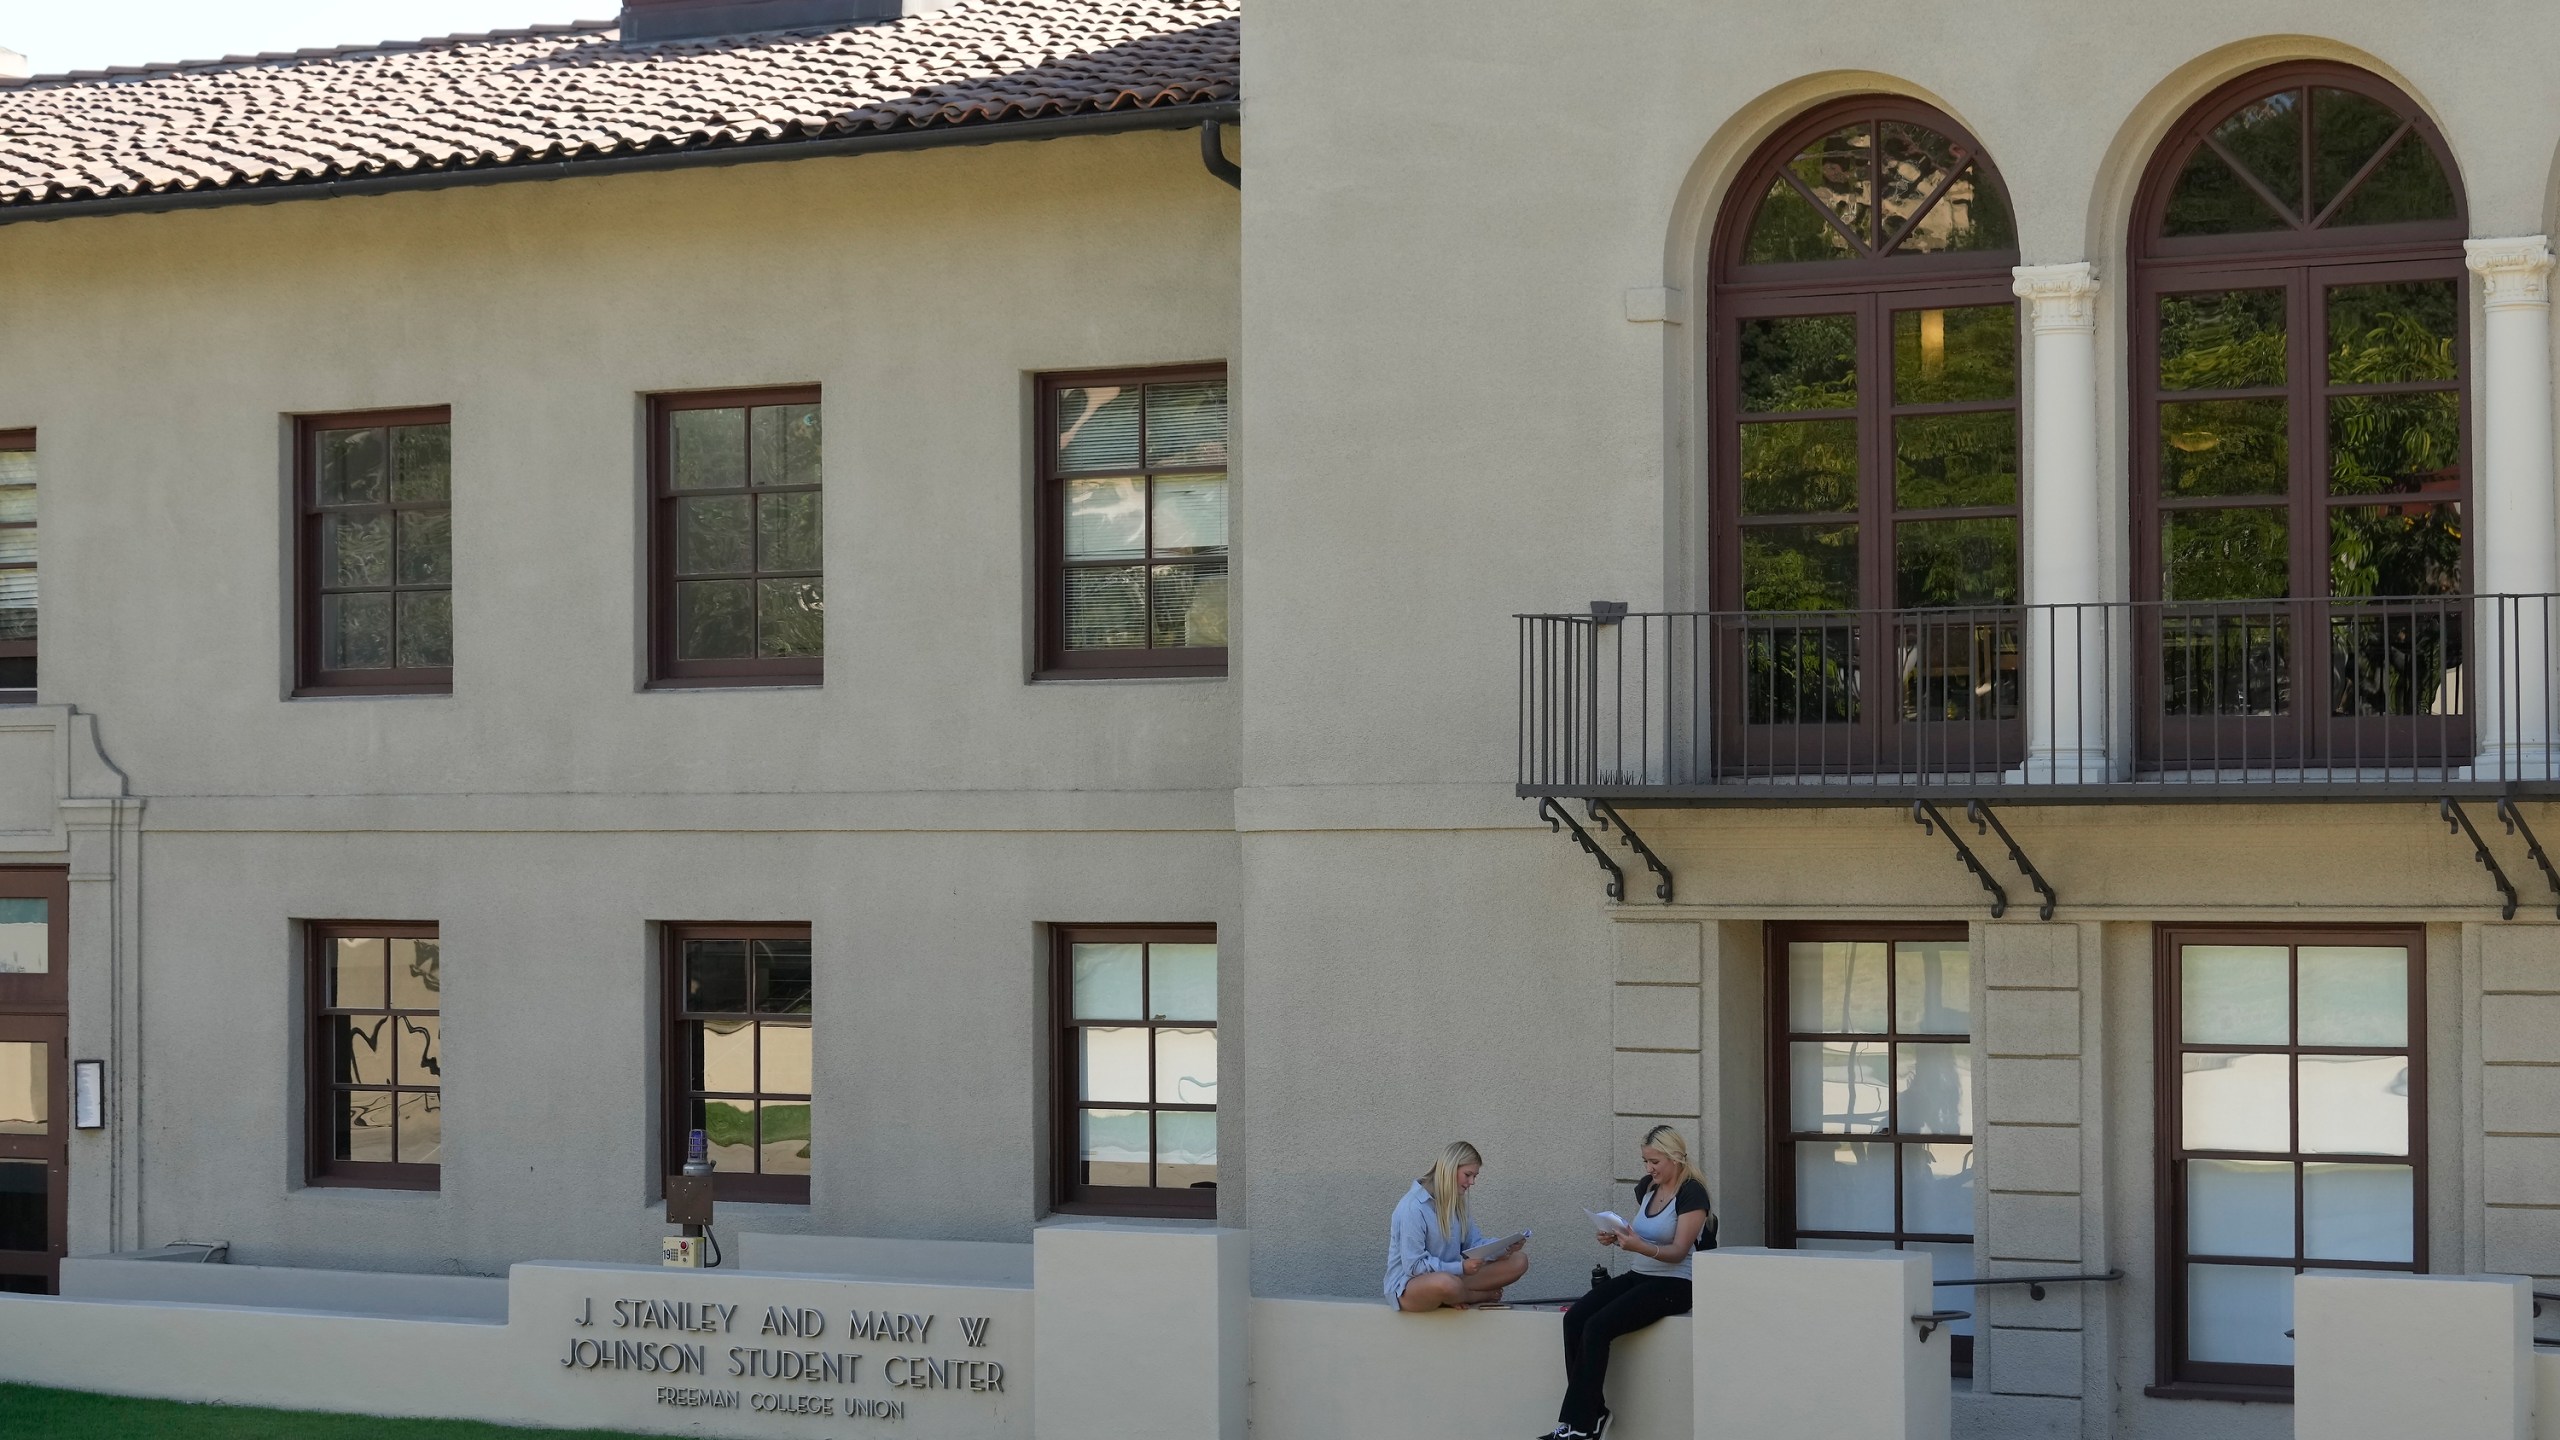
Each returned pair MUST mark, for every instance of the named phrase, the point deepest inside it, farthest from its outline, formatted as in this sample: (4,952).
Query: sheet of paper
(1496,1249)
(1607,1220)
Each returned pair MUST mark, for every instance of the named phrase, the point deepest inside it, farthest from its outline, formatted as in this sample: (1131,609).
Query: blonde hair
(1675,1149)
(1447,1195)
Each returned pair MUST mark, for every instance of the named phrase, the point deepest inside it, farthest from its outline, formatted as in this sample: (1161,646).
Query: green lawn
(71,1415)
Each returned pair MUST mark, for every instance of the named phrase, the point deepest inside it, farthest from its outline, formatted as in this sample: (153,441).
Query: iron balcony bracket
(1604,815)
(1926,816)
(2514,821)
(1985,823)
(2457,822)
(1553,813)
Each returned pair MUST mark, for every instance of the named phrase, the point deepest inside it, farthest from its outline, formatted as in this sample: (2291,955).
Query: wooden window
(2300,381)
(739,1053)
(35,1073)
(17,567)
(1137,1069)
(374,553)
(2292,1132)
(1865,485)
(1133,524)
(377,1054)
(737,575)
(1871,1096)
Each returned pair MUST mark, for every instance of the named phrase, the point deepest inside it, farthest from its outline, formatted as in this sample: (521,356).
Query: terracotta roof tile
(577,91)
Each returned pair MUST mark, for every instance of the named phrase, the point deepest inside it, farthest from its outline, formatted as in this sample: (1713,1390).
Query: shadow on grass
(72,1415)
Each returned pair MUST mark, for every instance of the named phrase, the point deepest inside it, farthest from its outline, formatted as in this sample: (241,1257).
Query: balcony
(2326,699)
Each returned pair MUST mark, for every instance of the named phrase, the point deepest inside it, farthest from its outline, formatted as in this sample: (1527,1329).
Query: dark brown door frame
(36,1008)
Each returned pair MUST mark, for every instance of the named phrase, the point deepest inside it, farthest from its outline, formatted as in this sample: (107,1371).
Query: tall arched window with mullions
(1865,490)
(2300,478)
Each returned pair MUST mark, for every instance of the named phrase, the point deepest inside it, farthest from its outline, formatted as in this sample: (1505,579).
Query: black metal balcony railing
(2328,697)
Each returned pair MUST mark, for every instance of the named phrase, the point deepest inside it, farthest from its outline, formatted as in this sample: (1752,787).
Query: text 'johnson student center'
(823,718)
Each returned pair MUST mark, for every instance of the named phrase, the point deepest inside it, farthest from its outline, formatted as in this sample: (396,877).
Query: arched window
(2299,472)
(1865,493)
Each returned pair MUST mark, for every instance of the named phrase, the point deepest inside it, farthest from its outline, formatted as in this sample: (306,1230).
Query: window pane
(715,620)
(1112,1065)
(715,977)
(786,444)
(1186,1067)
(360,1049)
(714,536)
(17,467)
(1799,467)
(1112,1147)
(782,976)
(783,1137)
(2408,186)
(356,977)
(1932,987)
(787,532)
(2210,199)
(1191,515)
(725,1056)
(2240,1207)
(17,604)
(1799,362)
(1788,229)
(1937,1189)
(1933,1087)
(791,618)
(2222,340)
(1182,981)
(2223,447)
(355,549)
(729,1128)
(1799,567)
(420,1118)
(1973,216)
(360,1126)
(1943,461)
(23,1102)
(419,1043)
(2225,664)
(1966,353)
(2395,445)
(17,502)
(1837,987)
(2355,995)
(1838,170)
(417,974)
(426,628)
(351,467)
(1187,426)
(25,939)
(2238,1314)
(426,547)
(1844,1185)
(1106,980)
(1098,430)
(2236,1102)
(18,545)
(1838,1087)
(2355,1104)
(1190,605)
(421,463)
(1915,161)
(2358,1212)
(2226,555)
(355,632)
(2384,333)
(709,449)
(783,1059)
(1107,607)
(2266,138)
(1106,519)
(2233,995)
(2347,130)
(1943,563)
(1186,1149)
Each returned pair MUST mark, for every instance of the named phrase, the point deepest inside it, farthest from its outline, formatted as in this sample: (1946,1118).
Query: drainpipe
(1213,153)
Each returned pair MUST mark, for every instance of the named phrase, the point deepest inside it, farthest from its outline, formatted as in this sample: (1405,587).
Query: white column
(2519,518)
(2067,653)
(1797,1343)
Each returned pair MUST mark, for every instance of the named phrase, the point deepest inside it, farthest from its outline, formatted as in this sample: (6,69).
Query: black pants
(1619,1306)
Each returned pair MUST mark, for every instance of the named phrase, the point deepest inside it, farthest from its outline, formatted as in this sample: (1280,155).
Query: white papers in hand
(1607,1220)
(1493,1250)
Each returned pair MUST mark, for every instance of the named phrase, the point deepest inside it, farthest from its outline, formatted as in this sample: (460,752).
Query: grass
(73,1415)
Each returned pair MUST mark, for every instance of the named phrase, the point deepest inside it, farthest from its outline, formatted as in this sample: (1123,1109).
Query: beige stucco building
(1518,308)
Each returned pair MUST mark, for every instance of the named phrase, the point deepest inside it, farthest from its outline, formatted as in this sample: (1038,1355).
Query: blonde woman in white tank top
(1671,1223)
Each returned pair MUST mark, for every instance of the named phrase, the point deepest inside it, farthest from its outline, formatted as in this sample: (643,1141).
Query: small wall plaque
(88,1094)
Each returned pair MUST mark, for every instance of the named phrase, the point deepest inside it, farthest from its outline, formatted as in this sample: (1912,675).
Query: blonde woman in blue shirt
(1427,1240)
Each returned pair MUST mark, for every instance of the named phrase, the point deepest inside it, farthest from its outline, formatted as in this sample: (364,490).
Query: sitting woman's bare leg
(1435,1291)
(1486,1285)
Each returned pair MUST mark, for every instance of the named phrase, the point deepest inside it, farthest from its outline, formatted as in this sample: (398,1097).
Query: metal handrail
(1932,1322)
(2035,1283)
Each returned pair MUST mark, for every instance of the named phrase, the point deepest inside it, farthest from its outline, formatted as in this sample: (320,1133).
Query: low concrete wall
(346,1292)
(2546,1407)
(2385,1357)
(941,1262)
(1331,1369)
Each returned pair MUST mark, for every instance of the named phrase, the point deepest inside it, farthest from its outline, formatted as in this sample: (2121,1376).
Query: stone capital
(2060,298)
(2514,273)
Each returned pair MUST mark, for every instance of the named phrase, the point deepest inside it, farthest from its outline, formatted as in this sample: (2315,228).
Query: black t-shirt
(1690,1196)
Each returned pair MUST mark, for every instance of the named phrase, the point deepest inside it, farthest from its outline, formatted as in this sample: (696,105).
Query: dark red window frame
(666,669)
(681,1047)
(312,676)
(1070,1195)
(322,1167)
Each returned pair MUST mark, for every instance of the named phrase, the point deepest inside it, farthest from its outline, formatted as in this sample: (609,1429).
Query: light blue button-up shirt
(1416,1245)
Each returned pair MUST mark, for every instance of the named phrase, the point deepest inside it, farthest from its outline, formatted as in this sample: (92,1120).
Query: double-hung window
(1137,1078)
(374,559)
(739,1010)
(17,566)
(1133,523)
(377,1055)
(737,575)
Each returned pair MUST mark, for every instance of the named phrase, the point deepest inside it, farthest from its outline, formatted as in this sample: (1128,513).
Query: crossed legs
(1438,1291)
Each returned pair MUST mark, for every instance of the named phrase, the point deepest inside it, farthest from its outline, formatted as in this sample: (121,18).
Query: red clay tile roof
(576,92)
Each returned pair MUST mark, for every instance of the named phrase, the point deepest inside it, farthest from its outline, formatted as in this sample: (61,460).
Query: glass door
(35,1152)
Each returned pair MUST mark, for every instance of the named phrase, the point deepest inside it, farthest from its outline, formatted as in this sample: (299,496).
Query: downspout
(1213,152)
